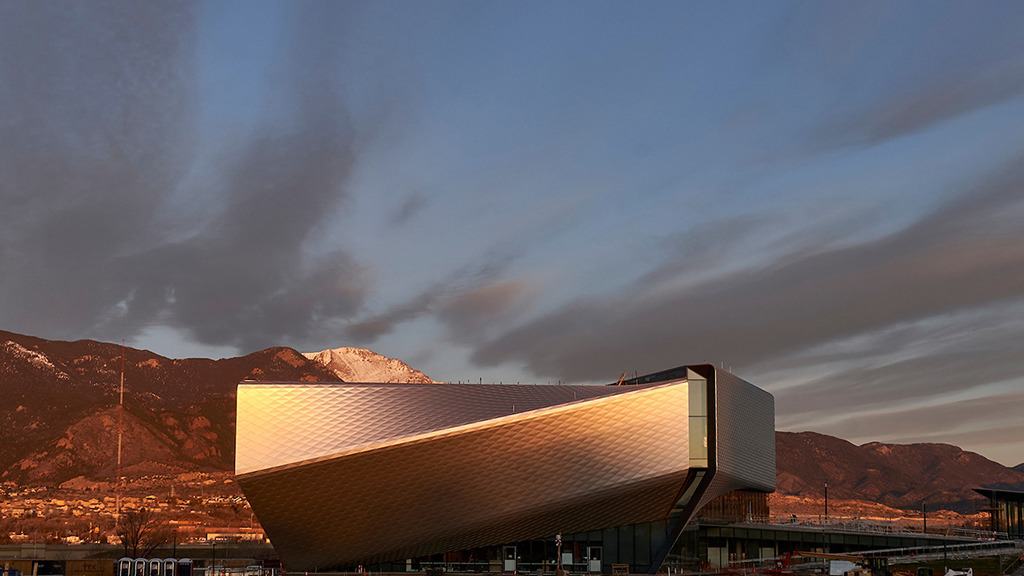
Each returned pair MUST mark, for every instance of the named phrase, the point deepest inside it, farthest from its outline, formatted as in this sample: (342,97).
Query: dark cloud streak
(369,329)
(959,420)
(945,98)
(409,208)
(440,296)
(105,125)
(967,254)
(471,315)
(927,375)
(94,133)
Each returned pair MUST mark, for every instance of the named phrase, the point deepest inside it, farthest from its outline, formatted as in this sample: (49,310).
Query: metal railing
(867,527)
(547,567)
(957,551)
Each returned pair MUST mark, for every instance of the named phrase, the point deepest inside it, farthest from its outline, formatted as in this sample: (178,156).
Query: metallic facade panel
(280,424)
(745,432)
(586,464)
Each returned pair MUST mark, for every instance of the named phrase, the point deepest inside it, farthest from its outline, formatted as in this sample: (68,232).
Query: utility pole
(826,501)
(120,436)
(924,518)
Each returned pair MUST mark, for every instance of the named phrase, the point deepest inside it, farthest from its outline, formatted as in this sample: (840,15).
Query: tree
(141,533)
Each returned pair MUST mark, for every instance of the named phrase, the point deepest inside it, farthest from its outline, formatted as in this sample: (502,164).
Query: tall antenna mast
(120,436)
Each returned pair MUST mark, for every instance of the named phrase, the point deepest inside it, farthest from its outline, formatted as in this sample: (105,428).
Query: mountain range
(897,475)
(59,422)
(59,418)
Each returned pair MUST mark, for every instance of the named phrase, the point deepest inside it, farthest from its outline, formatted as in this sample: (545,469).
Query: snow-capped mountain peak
(364,365)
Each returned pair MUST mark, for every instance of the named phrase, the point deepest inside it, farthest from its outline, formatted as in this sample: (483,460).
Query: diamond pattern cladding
(285,424)
(607,460)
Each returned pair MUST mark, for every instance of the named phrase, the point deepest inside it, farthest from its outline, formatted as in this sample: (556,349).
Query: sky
(826,198)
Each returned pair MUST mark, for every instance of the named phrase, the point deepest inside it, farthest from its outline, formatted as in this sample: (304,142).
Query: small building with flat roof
(1007,510)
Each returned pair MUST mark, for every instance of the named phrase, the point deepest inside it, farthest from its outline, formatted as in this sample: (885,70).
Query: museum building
(499,477)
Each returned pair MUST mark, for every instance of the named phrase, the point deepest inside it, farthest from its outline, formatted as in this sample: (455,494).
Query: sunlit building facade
(395,476)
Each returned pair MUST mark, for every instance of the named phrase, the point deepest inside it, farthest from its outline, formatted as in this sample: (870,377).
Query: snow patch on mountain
(364,365)
(36,359)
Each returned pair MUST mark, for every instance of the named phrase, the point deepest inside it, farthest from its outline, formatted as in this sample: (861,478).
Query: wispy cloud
(966,254)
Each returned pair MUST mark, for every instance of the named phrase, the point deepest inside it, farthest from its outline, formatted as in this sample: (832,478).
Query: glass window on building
(698,409)
(642,548)
(626,544)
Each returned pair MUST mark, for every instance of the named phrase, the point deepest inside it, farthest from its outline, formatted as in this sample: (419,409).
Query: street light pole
(558,554)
